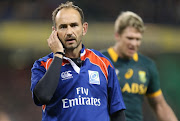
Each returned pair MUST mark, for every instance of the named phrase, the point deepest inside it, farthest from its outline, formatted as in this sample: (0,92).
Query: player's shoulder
(145,59)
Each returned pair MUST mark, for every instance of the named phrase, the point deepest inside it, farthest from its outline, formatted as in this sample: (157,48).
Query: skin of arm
(162,110)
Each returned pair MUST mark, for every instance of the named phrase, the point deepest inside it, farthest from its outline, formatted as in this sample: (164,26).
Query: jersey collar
(75,67)
(82,51)
(114,55)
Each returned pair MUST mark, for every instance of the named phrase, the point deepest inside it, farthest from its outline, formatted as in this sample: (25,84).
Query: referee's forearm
(47,85)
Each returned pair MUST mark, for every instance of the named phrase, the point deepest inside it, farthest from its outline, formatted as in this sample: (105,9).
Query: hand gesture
(54,43)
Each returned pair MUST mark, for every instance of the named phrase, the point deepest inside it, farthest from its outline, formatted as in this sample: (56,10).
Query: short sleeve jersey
(137,77)
(87,93)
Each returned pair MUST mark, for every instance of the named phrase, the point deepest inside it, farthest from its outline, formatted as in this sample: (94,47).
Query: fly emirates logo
(67,103)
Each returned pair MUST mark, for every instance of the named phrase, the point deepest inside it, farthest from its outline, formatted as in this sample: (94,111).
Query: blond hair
(128,19)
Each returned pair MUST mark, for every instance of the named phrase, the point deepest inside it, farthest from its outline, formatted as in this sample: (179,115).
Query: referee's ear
(85,28)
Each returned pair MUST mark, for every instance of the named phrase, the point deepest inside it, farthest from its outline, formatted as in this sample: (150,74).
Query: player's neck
(121,55)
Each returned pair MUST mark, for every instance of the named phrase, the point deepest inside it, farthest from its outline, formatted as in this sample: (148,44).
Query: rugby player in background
(137,74)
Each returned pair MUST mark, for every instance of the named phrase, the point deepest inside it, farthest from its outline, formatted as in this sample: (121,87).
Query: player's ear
(85,28)
(116,36)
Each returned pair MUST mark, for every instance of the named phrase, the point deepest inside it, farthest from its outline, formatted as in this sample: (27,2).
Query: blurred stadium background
(25,26)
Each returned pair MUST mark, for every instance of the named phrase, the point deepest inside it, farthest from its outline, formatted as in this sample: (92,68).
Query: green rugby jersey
(137,77)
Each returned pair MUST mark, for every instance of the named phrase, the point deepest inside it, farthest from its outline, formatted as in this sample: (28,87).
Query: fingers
(52,39)
(52,36)
(54,42)
(55,36)
(49,40)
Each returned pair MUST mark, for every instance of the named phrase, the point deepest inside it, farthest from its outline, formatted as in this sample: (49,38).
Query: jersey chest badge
(129,74)
(94,77)
(142,76)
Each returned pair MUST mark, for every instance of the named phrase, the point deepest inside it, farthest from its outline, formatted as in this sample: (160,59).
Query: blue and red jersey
(87,93)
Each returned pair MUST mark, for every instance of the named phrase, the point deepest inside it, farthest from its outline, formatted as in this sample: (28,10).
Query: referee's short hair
(66,5)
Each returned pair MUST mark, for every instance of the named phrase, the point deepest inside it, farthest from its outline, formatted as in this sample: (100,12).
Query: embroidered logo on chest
(129,74)
(94,77)
(142,76)
(66,75)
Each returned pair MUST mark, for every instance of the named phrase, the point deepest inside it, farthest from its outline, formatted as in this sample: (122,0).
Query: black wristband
(60,53)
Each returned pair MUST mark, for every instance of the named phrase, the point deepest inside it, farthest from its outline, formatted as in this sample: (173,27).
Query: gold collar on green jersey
(114,55)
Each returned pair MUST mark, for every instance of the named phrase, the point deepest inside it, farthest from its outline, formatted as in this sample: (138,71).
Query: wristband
(61,53)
